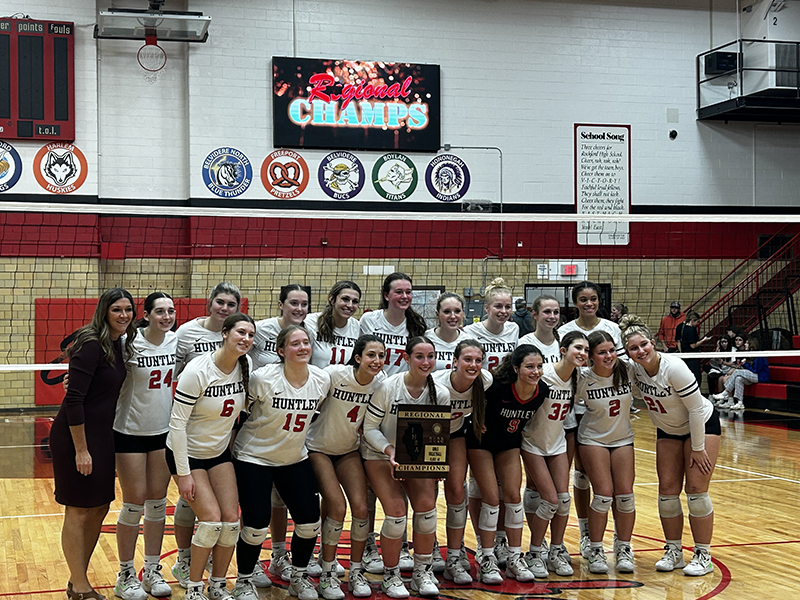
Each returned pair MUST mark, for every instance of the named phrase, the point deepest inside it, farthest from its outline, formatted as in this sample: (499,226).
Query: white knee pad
(601,504)
(488,518)
(669,506)
(530,500)
(579,480)
(359,530)
(276,500)
(564,501)
(130,514)
(155,510)
(625,503)
(228,535)
(393,528)
(515,516)
(473,491)
(184,515)
(425,522)
(331,531)
(699,504)
(456,516)
(253,536)
(207,534)
(547,510)
(308,531)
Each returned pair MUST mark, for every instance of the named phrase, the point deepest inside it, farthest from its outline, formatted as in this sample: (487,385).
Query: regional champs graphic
(447,178)
(285,174)
(227,172)
(60,167)
(10,166)
(394,176)
(341,175)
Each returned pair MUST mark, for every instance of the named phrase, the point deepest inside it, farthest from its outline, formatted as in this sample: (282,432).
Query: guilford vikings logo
(227,172)
(394,177)
(447,178)
(341,175)
(10,166)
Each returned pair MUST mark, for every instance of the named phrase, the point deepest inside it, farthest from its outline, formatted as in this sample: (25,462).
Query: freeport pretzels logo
(285,174)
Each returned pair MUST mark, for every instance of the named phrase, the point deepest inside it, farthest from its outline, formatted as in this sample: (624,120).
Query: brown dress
(91,400)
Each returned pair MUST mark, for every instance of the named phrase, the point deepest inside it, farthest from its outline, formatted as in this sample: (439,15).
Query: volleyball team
(275,415)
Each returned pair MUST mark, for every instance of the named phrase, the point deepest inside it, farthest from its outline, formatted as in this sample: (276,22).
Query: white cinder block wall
(516,74)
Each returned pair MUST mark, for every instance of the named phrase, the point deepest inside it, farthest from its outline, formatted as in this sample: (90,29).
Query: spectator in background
(690,342)
(522,317)
(617,312)
(666,331)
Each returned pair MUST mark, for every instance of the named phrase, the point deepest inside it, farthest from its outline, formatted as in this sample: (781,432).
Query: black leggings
(297,486)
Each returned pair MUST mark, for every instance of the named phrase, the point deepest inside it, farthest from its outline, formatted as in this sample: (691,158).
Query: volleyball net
(57,259)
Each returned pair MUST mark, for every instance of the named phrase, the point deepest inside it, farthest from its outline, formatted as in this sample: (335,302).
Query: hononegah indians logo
(10,166)
(447,178)
(227,172)
(341,175)
(394,176)
(285,174)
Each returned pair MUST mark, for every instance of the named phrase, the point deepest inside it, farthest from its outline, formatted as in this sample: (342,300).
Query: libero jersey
(551,353)
(460,402)
(145,400)
(394,338)
(609,327)
(337,352)
(607,418)
(507,415)
(544,434)
(207,402)
(495,346)
(263,352)
(335,431)
(444,350)
(274,435)
(673,398)
(194,340)
(380,422)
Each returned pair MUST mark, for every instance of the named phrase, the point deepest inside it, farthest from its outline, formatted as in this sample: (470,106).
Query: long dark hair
(537,306)
(325,324)
(149,304)
(414,322)
(225,287)
(506,372)
(360,346)
(565,343)
(412,343)
(228,324)
(620,378)
(478,391)
(99,329)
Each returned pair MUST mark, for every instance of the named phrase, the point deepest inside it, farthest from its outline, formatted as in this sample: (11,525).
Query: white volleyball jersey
(380,422)
(263,352)
(444,350)
(607,418)
(495,346)
(544,433)
(337,352)
(551,353)
(207,402)
(460,402)
(335,431)
(394,338)
(603,325)
(145,400)
(673,399)
(274,435)
(194,340)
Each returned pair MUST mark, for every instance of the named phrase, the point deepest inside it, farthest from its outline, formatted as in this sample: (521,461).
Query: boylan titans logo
(227,172)
(447,178)
(394,176)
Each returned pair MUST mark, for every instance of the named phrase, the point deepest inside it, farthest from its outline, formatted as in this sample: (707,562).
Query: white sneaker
(454,571)
(423,582)
(371,559)
(300,585)
(438,562)
(406,562)
(314,568)
(358,584)
(558,564)
(339,569)
(489,572)
(672,559)
(722,396)
(623,558)
(598,563)
(738,406)
(501,551)
(563,552)
(195,593)
(180,571)
(393,587)
(463,558)
(699,565)
(129,587)
(330,587)
(245,589)
(517,568)
(218,592)
(260,577)
(586,546)
(728,405)
(280,565)
(536,564)
(154,584)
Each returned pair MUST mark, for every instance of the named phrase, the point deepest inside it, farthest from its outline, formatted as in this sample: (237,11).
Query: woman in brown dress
(82,438)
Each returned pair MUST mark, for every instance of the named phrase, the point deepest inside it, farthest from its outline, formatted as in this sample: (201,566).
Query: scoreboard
(37,80)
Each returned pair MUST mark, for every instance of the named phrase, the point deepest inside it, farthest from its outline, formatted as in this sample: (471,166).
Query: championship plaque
(423,433)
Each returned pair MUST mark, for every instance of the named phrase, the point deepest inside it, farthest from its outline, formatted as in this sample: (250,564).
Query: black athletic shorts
(713,427)
(125,443)
(205,464)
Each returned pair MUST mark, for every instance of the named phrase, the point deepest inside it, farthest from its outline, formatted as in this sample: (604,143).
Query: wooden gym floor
(756,546)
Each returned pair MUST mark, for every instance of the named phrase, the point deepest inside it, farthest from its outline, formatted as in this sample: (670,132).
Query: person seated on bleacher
(718,367)
(752,370)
